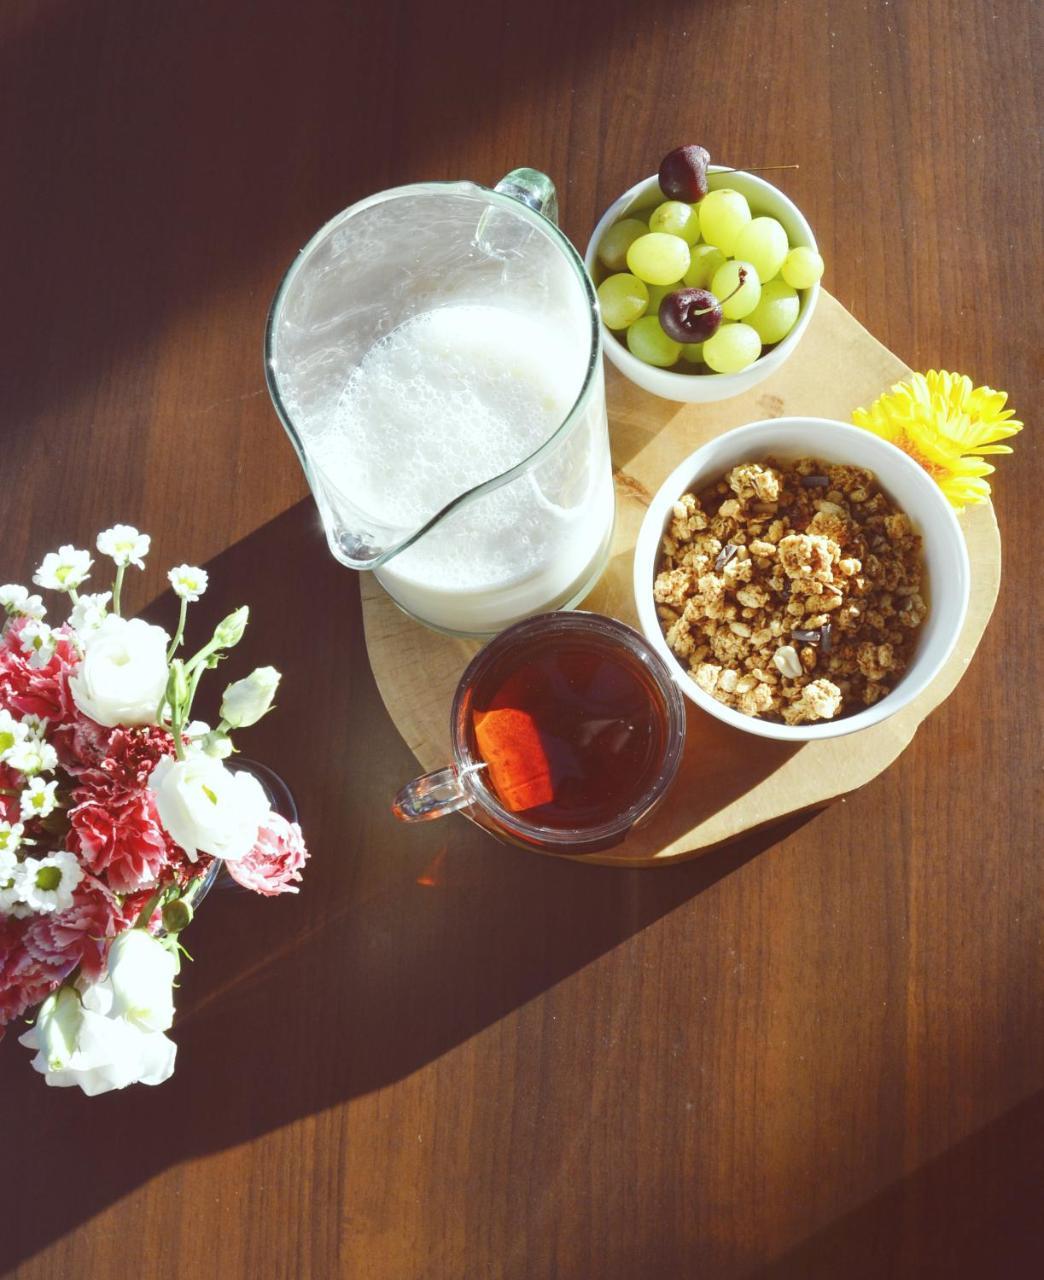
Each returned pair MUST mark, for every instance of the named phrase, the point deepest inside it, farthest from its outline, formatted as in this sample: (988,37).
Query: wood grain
(729,782)
(814,1054)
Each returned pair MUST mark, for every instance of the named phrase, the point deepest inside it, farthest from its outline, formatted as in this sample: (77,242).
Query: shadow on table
(974,1210)
(404,942)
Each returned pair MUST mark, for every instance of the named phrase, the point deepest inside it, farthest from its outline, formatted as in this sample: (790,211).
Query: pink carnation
(275,862)
(81,744)
(39,691)
(119,838)
(80,935)
(24,980)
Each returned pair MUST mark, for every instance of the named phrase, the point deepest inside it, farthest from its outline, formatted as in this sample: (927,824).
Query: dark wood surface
(815,1054)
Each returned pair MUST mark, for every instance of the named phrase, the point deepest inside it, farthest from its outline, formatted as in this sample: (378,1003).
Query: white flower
(47,884)
(64,569)
(124,544)
(11,903)
(88,613)
(12,732)
(37,725)
(188,581)
(247,700)
(39,641)
(33,756)
(17,600)
(38,799)
(123,674)
(10,836)
(207,808)
(79,1045)
(142,972)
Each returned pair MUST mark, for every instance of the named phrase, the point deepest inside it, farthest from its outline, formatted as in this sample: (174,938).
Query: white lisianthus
(123,674)
(88,613)
(17,600)
(124,544)
(142,972)
(188,581)
(206,808)
(64,569)
(78,1044)
(12,732)
(33,756)
(39,641)
(38,799)
(247,700)
(47,884)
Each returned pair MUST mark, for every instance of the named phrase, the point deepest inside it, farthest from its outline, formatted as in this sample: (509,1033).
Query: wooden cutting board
(729,782)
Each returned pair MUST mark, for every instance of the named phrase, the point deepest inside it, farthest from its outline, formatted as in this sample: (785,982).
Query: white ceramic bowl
(764,199)
(907,484)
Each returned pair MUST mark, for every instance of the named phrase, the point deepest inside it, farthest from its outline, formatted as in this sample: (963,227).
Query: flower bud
(177,915)
(142,973)
(230,631)
(217,745)
(58,1026)
(247,700)
(177,684)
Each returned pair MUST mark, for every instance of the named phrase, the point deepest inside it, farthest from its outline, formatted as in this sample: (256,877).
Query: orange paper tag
(518,766)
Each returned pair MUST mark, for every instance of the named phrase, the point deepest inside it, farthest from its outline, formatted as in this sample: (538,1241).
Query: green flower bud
(177,915)
(230,631)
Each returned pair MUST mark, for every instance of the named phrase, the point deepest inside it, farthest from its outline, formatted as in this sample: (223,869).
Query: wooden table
(814,1054)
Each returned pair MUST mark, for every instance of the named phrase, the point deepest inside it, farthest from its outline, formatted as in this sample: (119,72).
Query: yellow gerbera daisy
(947,426)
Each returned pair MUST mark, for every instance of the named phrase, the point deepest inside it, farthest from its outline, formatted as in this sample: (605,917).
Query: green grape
(732,348)
(612,252)
(723,215)
(726,279)
(705,259)
(802,267)
(677,219)
(658,258)
(765,243)
(775,314)
(657,293)
(693,352)
(647,341)
(623,298)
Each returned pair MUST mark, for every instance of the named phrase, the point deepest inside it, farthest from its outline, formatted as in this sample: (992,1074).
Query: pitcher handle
(432,795)
(532,188)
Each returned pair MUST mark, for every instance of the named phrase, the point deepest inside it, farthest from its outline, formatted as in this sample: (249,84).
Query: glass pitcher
(475,297)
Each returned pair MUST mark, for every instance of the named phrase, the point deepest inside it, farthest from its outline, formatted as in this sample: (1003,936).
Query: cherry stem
(742,282)
(760,168)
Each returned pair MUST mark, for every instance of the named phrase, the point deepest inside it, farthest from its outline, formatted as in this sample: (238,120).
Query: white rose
(247,700)
(123,674)
(78,1044)
(142,972)
(207,808)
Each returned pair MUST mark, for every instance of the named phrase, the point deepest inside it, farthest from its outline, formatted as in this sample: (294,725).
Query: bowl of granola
(802,578)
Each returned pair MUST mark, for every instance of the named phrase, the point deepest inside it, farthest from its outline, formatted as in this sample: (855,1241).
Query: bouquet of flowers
(116,812)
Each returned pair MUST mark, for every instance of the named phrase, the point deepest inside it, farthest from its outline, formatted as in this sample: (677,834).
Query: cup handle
(532,188)
(432,795)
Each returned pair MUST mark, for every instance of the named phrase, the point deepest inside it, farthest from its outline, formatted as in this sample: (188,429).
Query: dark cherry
(683,173)
(692,315)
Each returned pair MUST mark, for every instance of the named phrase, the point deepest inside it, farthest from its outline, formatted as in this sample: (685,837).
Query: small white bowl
(697,388)
(907,484)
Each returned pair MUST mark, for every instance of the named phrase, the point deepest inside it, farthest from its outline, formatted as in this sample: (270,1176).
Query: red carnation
(39,691)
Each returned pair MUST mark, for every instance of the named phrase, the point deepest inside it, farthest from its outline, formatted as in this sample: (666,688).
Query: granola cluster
(793,591)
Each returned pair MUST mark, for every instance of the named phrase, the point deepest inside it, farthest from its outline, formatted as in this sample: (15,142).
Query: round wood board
(730,782)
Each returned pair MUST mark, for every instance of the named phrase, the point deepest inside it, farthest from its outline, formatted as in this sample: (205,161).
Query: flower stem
(145,914)
(180,631)
(74,596)
(117,587)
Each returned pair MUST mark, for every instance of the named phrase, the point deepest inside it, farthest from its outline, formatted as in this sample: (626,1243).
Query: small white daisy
(32,757)
(64,569)
(38,799)
(39,641)
(12,732)
(124,544)
(17,600)
(47,884)
(188,581)
(36,725)
(10,836)
(88,613)
(10,903)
